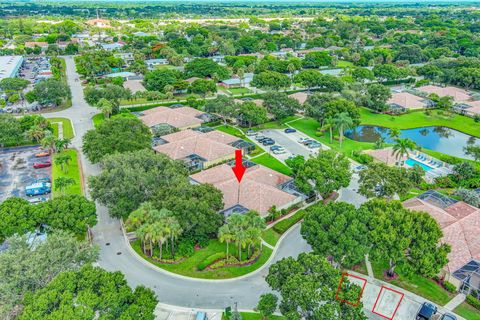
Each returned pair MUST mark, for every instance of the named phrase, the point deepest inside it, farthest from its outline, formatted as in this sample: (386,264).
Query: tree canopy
(116,135)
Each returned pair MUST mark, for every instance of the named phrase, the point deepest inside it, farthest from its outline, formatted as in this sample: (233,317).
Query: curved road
(115,256)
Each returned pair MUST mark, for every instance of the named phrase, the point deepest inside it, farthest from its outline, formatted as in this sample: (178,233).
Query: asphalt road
(170,289)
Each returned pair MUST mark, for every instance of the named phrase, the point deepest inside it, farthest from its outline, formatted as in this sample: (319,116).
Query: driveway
(289,141)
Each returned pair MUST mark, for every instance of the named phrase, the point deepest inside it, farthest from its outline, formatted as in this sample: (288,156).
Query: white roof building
(9,66)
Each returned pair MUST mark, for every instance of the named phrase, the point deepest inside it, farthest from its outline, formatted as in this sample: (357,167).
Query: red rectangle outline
(398,305)
(361,291)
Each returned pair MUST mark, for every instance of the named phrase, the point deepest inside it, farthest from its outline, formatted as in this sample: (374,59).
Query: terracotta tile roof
(210,146)
(457,94)
(176,117)
(258,190)
(385,155)
(301,97)
(407,100)
(460,224)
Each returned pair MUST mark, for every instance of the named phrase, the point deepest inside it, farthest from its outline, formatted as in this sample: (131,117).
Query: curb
(158,269)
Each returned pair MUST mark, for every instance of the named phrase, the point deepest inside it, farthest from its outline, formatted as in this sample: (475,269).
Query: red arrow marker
(239,169)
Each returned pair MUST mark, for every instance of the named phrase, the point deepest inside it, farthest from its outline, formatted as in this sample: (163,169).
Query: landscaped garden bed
(190,265)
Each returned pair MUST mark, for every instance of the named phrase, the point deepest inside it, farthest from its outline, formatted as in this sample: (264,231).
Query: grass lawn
(99,118)
(275,124)
(67,127)
(344,64)
(467,311)
(239,133)
(271,162)
(188,267)
(419,119)
(239,91)
(270,236)
(73,172)
(419,285)
(255,316)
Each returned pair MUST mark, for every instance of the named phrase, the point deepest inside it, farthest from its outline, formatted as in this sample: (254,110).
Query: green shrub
(185,249)
(285,224)
(362,158)
(473,301)
(210,259)
(450,287)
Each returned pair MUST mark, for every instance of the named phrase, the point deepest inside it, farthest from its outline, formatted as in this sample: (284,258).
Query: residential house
(178,117)
(460,224)
(260,188)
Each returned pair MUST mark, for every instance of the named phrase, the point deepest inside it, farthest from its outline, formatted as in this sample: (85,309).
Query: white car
(303,140)
(279,150)
(37,200)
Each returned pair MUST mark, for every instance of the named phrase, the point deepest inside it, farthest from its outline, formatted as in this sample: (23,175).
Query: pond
(441,139)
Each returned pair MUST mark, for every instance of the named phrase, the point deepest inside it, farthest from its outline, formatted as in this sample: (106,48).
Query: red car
(38,165)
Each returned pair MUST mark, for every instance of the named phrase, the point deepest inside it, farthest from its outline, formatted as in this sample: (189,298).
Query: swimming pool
(411,162)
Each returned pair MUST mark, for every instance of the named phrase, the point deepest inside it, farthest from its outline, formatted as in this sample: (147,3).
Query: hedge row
(210,259)
(474,302)
(285,224)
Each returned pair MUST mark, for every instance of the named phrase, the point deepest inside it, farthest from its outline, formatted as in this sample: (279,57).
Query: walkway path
(60,129)
(188,293)
(455,302)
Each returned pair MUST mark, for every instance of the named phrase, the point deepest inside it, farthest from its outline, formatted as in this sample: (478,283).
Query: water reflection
(441,139)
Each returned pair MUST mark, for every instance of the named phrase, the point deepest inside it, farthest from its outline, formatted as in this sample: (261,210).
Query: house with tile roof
(178,117)
(199,149)
(458,95)
(460,223)
(260,189)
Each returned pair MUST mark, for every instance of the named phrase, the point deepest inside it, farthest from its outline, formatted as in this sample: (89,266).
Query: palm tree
(36,133)
(61,144)
(105,106)
(225,235)
(49,142)
(241,75)
(159,234)
(343,121)
(330,123)
(394,133)
(63,160)
(402,147)
(175,231)
(62,183)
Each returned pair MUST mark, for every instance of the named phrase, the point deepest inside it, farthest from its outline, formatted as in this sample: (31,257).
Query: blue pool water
(411,162)
(441,139)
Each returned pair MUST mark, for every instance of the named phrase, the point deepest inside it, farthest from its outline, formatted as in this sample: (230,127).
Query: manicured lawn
(237,91)
(344,64)
(419,285)
(99,118)
(188,267)
(73,172)
(67,127)
(419,119)
(270,236)
(271,162)
(275,124)
(467,311)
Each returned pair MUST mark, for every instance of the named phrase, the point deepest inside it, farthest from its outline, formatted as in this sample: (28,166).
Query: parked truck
(38,189)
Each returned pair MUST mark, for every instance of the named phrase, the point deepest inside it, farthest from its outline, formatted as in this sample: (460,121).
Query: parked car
(275,147)
(38,189)
(289,130)
(303,140)
(268,142)
(427,311)
(259,137)
(42,154)
(314,145)
(37,200)
(38,165)
(448,316)
(280,150)
(251,133)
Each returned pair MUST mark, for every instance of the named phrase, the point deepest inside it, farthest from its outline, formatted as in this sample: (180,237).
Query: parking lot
(33,69)
(17,172)
(289,141)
